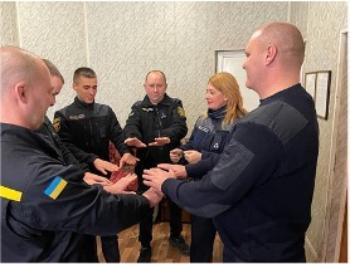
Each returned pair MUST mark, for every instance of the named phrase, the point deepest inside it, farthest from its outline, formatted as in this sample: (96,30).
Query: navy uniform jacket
(260,191)
(209,137)
(147,121)
(86,130)
(45,206)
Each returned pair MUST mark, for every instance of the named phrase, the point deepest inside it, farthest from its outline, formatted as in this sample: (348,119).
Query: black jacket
(147,121)
(41,222)
(48,133)
(86,130)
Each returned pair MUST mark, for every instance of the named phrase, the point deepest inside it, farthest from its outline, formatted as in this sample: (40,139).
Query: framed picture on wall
(310,83)
(317,84)
(231,61)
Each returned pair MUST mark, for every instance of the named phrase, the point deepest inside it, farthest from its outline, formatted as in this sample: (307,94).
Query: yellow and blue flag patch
(56,187)
(10,194)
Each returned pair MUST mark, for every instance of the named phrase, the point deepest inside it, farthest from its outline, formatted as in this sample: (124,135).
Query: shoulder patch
(181,111)
(55,188)
(10,194)
(57,124)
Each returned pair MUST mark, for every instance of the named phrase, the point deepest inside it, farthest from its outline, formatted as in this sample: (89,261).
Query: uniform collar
(218,113)
(83,104)
(281,94)
(147,103)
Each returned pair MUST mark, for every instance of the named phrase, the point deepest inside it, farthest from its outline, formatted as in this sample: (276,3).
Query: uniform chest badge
(56,187)
(57,124)
(149,109)
(76,117)
(216,145)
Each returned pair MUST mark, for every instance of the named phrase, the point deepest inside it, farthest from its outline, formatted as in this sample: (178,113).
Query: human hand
(176,154)
(134,142)
(159,141)
(178,170)
(153,196)
(155,177)
(128,159)
(91,179)
(105,166)
(192,156)
(121,186)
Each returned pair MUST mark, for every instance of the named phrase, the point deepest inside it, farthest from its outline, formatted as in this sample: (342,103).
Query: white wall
(122,41)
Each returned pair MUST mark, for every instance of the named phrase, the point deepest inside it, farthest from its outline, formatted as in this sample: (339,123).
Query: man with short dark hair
(86,128)
(260,191)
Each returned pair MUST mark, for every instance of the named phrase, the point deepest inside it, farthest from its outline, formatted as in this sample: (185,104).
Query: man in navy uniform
(260,191)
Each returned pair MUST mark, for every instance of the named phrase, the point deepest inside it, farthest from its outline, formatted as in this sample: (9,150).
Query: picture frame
(317,84)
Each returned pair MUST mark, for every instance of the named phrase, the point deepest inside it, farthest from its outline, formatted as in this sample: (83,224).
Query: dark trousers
(202,240)
(89,249)
(145,235)
(110,248)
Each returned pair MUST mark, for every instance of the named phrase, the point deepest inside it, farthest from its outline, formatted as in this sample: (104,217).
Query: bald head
(18,65)
(288,40)
(25,88)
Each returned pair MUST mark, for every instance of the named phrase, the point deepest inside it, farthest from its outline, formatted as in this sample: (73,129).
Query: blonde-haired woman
(208,139)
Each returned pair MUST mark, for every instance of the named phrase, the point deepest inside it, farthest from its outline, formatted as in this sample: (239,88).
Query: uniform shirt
(209,137)
(45,206)
(86,129)
(147,121)
(260,191)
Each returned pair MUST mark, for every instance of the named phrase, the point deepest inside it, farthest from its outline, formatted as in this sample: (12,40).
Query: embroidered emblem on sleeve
(55,188)
(10,194)
(181,111)
(57,124)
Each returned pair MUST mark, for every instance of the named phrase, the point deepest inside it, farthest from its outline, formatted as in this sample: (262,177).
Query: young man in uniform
(86,128)
(155,126)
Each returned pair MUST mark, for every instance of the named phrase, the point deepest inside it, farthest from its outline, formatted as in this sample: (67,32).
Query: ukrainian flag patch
(56,187)
(10,194)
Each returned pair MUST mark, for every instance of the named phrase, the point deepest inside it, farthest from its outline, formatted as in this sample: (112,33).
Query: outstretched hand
(159,141)
(155,177)
(128,159)
(92,179)
(192,156)
(134,142)
(121,186)
(105,166)
(178,170)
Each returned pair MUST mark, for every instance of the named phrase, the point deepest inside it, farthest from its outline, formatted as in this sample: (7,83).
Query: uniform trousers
(145,235)
(202,239)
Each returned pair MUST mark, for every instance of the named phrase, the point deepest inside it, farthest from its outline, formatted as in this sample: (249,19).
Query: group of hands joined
(153,178)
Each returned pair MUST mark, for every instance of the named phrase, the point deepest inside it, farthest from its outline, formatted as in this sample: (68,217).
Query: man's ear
(271,53)
(74,86)
(21,90)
